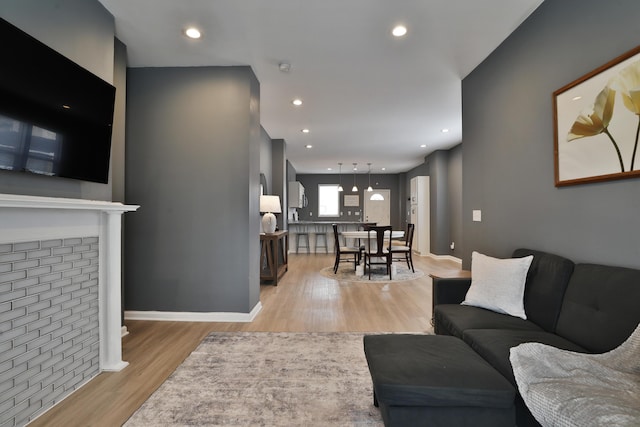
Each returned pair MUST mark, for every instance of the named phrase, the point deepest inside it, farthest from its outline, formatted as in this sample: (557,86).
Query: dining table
(363,236)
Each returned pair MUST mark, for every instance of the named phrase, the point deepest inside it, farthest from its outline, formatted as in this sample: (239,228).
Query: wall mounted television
(55,116)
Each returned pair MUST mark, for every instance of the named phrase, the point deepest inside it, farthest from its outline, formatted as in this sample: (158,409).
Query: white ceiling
(368,97)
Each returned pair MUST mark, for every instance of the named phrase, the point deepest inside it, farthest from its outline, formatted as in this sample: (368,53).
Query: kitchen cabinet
(297,198)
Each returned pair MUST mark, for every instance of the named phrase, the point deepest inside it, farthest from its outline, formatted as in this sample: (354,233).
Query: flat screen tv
(55,116)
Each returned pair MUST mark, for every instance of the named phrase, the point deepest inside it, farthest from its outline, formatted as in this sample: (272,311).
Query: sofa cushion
(454,319)
(498,284)
(431,370)
(547,281)
(600,308)
(494,345)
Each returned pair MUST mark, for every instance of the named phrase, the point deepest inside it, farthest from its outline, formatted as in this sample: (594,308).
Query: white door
(378,211)
(420,215)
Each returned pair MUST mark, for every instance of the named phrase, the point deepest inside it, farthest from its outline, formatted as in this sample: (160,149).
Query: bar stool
(302,231)
(321,231)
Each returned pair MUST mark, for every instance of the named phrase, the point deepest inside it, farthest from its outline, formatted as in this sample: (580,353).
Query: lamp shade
(270,204)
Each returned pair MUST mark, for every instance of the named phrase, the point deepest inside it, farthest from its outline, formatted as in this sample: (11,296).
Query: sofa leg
(375,399)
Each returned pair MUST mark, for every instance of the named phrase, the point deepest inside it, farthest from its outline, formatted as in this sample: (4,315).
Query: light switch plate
(477,215)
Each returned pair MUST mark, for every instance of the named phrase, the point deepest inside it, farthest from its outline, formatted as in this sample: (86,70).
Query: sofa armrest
(450,290)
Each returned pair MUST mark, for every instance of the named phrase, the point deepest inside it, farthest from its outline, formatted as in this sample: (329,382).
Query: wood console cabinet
(274,249)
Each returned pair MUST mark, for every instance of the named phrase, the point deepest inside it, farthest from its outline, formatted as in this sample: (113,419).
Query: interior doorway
(376,210)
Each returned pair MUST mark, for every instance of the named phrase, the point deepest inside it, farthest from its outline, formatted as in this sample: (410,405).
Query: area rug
(266,379)
(346,273)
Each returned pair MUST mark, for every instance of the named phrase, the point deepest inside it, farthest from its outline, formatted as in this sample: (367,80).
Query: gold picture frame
(597,124)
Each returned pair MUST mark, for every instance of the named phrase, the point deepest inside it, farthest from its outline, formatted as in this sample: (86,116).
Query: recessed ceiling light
(575,98)
(399,30)
(297,102)
(384,169)
(329,169)
(444,130)
(192,33)
(305,130)
(423,146)
(308,146)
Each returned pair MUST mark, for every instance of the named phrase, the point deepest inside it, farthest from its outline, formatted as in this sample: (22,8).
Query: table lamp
(270,205)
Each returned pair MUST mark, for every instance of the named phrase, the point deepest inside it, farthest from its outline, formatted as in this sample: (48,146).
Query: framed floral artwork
(597,124)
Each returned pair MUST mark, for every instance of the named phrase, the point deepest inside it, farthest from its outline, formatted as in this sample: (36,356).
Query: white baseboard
(180,316)
(445,257)
(124,332)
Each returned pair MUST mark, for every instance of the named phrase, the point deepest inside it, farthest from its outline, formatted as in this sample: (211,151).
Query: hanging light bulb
(369,188)
(355,187)
(340,185)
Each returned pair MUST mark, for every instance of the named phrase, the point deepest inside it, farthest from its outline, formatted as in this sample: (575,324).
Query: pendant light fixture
(355,187)
(369,188)
(340,185)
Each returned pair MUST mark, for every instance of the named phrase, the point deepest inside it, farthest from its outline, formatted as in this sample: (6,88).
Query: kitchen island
(313,241)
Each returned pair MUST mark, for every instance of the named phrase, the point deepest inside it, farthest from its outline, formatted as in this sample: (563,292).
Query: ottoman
(436,380)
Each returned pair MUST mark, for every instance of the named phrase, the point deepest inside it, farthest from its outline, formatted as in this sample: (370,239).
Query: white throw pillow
(498,284)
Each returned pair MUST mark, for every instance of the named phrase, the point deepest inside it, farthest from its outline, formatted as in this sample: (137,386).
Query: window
(328,200)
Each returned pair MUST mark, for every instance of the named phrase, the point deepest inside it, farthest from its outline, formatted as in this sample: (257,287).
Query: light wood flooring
(303,301)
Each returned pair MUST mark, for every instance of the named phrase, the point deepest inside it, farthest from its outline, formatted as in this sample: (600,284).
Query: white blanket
(564,388)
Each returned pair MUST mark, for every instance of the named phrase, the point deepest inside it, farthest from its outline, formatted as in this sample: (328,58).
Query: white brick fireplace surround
(60,306)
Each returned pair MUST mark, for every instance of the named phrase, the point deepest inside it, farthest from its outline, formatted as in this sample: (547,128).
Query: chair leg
(335,264)
(411,259)
(406,256)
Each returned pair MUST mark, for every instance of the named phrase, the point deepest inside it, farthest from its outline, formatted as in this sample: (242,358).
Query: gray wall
(444,173)
(83,31)
(265,158)
(279,178)
(382,181)
(117,164)
(193,164)
(455,199)
(508,140)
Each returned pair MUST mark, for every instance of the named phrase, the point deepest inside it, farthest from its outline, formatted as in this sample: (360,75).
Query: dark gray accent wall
(436,166)
(83,31)
(116,177)
(455,200)
(279,168)
(265,158)
(311,181)
(193,164)
(508,140)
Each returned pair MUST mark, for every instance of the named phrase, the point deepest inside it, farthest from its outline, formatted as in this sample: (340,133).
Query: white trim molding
(35,218)
(181,316)
(445,257)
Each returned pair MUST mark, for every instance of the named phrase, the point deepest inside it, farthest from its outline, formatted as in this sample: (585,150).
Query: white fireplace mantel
(30,218)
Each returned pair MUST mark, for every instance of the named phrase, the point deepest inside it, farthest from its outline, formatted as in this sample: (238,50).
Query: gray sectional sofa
(586,308)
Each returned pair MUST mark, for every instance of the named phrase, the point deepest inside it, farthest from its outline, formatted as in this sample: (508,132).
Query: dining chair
(380,254)
(344,250)
(406,250)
